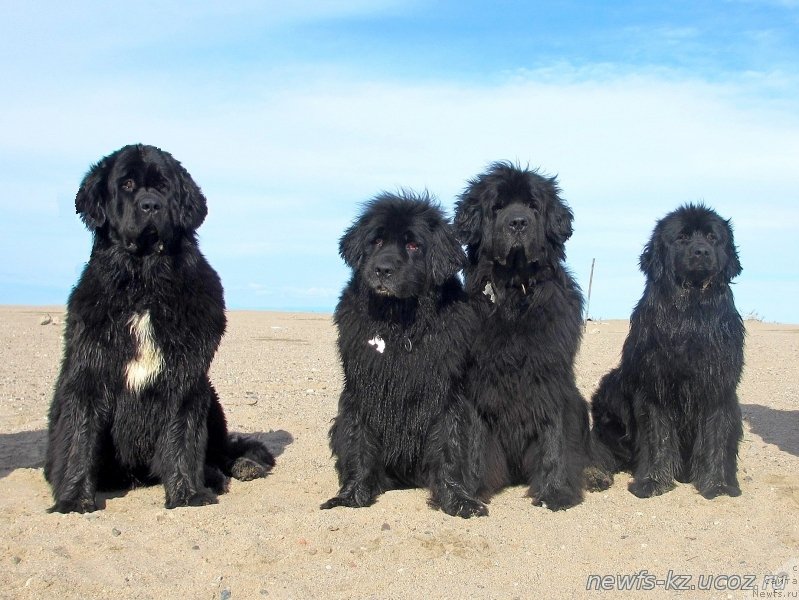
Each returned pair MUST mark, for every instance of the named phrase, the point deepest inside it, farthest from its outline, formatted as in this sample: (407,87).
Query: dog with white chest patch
(402,336)
(133,403)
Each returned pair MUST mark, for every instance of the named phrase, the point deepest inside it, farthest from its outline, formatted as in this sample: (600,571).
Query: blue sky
(290,115)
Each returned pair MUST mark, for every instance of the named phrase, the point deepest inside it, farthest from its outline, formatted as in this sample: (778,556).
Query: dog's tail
(611,433)
(247,458)
(241,456)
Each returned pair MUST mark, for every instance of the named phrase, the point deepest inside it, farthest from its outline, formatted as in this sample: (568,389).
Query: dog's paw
(347,501)
(79,505)
(353,495)
(338,501)
(246,469)
(353,500)
(202,497)
(733,491)
(557,499)
(719,489)
(597,480)
(647,488)
(466,508)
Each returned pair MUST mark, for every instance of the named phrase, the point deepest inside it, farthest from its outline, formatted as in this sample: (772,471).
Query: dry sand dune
(278,376)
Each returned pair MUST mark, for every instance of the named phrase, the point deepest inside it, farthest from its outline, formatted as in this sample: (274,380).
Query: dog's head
(691,246)
(400,245)
(509,215)
(141,199)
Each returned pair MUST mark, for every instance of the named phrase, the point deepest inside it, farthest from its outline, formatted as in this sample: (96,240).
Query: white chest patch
(488,290)
(378,344)
(148,362)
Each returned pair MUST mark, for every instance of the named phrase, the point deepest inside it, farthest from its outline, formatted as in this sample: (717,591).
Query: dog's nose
(150,204)
(384,271)
(701,251)
(518,224)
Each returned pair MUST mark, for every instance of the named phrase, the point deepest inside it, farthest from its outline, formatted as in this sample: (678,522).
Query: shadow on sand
(22,450)
(25,450)
(778,427)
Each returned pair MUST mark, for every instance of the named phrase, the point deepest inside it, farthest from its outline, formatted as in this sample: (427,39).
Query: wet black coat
(670,409)
(402,337)
(533,421)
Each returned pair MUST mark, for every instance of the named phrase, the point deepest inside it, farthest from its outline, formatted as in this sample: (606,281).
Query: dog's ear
(652,261)
(469,211)
(559,222)
(91,197)
(193,206)
(445,254)
(559,215)
(352,244)
(733,267)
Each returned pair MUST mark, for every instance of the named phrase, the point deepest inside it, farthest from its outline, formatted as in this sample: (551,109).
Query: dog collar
(379,344)
(491,292)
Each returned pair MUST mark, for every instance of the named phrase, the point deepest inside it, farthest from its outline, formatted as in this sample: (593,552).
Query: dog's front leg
(715,452)
(182,453)
(558,484)
(658,458)
(73,446)
(457,456)
(357,462)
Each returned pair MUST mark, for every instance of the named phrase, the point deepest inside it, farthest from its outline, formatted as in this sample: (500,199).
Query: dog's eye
(683,237)
(378,242)
(711,237)
(411,246)
(129,185)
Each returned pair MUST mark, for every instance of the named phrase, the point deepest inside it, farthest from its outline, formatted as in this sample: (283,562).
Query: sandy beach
(279,378)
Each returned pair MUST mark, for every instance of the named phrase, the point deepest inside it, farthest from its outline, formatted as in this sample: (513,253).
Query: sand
(278,377)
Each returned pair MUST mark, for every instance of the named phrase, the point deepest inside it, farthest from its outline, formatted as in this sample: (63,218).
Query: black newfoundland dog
(534,422)
(402,339)
(670,409)
(133,403)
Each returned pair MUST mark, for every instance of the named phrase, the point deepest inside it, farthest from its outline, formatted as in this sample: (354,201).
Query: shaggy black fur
(670,409)
(402,339)
(133,402)
(534,427)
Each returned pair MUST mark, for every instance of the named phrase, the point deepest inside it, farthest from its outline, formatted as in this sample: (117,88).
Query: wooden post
(588,302)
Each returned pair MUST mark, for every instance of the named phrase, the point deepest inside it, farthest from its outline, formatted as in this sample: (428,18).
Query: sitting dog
(402,338)
(670,409)
(133,402)
(534,422)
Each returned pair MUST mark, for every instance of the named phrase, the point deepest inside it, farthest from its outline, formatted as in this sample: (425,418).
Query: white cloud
(286,158)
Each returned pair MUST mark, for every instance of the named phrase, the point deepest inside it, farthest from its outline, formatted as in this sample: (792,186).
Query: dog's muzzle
(701,257)
(383,271)
(516,230)
(149,230)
